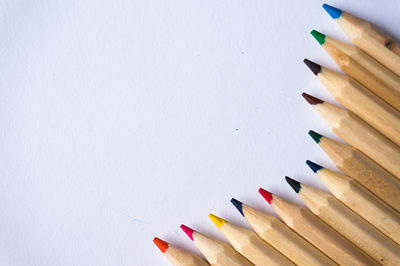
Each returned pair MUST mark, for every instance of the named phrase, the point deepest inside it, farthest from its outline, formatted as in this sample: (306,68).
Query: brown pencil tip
(311,99)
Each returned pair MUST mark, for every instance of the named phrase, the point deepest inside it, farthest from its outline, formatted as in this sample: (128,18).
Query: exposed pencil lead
(293,183)
(318,36)
(332,11)
(315,167)
(161,244)
(311,99)
(266,195)
(188,231)
(216,220)
(314,67)
(315,136)
(238,205)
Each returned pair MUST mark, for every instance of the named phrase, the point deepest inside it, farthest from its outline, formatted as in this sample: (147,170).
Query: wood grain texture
(363,103)
(362,136)
(363,202)
(368,173)
(252,247)
(284,239)
(366,70)
(375,43)
(351,225)
(320,234)
(217,252)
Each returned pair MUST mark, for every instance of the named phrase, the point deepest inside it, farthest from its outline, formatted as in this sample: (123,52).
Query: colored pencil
(250,245)
(348,223)
(317,232)
(216,252)
(360,200)
(282,238)
(363,34)
(357,165)
(360,101)
(177,256)
(363,68)
(359,134)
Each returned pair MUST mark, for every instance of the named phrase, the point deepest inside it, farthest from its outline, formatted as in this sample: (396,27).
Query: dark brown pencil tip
(311,99)
(315,68)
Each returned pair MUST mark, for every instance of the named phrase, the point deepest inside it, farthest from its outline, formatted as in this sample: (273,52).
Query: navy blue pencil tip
(238,205)
(315,167)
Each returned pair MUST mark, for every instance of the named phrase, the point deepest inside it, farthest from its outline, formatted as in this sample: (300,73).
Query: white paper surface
(120,120)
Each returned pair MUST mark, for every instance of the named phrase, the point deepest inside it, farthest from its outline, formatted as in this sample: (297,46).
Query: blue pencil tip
(315,167)
(238,205)
(332,11)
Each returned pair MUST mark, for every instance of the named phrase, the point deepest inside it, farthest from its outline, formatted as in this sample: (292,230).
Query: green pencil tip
(318,36)
(315,136)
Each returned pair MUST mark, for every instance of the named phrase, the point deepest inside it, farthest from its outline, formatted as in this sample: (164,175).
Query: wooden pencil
(363,34)
(250,245)
(318,233)
(216,252)
(360,101)
(282,238)
(359,134)
(363,68)
(357,165)
(360,200)
(348,223)
(177,256)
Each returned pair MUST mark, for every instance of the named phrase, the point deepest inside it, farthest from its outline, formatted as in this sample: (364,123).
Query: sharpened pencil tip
(216,220)
(315,167)
(188,231)
(266,195)
(315,136)
(238,205)
(293,183)
(318,36)
(161,244)
(314,67)
(332,11)
(311,99)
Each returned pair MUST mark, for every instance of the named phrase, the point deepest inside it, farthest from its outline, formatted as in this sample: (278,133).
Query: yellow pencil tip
(216,220)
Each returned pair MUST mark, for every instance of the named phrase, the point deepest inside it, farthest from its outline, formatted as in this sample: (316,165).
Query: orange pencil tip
(161,244)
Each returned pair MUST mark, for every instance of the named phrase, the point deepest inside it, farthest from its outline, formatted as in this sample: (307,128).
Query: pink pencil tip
(266,195)
(188,231)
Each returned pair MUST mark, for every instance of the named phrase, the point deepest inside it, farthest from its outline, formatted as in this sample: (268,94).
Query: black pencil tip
(315,68)
(293,183)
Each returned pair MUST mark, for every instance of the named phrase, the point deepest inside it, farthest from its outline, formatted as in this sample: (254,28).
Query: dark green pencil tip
(318,36)
(315,136)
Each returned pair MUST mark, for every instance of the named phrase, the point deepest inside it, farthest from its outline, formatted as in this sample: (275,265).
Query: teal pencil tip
(315,136)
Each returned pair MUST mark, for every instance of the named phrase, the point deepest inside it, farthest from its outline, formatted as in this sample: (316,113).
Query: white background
(120,120)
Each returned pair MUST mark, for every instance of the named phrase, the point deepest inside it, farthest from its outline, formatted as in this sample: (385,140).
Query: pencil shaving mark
(388,44)
(137,220)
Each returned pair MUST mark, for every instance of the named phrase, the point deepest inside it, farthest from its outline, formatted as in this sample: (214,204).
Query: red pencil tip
(188,231)
(266,195)
(161,244)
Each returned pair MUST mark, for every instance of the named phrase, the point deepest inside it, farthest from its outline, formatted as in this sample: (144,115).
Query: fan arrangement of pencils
(359,222)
